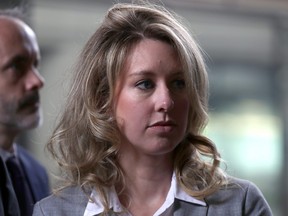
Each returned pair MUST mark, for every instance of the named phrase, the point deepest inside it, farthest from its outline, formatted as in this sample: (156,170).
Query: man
(20,83)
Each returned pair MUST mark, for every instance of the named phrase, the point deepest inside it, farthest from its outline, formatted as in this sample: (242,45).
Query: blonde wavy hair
(85,142)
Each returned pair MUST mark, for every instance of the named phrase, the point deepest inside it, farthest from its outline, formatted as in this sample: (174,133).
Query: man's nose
(34,80)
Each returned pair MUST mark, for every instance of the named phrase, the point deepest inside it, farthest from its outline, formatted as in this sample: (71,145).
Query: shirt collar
(182,195)
(7,154)
(94,208)
(175,191)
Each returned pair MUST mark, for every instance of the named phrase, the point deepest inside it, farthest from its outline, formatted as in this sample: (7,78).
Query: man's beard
(20,115)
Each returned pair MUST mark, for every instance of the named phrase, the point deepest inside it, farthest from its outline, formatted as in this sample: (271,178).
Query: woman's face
(152,102)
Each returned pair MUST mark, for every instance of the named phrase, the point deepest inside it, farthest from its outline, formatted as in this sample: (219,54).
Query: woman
(129,141)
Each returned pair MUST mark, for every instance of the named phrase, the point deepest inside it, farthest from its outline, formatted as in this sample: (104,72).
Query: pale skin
(152,113)
(20,80)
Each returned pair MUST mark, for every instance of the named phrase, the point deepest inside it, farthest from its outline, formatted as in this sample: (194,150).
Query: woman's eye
(145,84)
(178,84)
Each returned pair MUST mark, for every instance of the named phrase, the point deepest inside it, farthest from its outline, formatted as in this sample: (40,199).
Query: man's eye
(18,67)
(145,84)
(178,84)
(36,63)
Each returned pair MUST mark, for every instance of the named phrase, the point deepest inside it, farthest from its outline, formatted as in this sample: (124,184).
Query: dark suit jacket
(239,198)
(8,200)
(36,174)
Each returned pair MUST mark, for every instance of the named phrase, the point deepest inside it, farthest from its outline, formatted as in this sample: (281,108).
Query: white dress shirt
(7,154)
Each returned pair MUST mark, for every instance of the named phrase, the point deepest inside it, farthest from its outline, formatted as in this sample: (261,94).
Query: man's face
(20,80)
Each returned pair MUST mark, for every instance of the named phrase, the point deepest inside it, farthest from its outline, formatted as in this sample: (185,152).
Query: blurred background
(246,51)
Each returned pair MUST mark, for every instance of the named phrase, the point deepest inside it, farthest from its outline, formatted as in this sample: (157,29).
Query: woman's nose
(164,100)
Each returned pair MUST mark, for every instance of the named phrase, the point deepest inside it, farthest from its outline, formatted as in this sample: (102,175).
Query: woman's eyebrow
(142,73)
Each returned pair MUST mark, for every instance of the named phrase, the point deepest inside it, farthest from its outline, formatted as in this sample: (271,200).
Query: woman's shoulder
(238,189)
(240,194)
(234,183)
(69,201)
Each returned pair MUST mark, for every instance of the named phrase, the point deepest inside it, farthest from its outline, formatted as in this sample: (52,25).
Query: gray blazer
(239,198)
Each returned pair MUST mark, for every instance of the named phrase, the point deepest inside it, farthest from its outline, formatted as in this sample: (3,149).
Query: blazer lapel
(184,208)
(32,173)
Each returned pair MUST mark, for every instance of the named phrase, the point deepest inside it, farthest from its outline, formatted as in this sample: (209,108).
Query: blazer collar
(184,208)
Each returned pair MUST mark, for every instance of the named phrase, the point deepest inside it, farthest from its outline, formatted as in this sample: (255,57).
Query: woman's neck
(147,183)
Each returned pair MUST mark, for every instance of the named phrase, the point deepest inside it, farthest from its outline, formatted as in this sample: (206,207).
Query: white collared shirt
(7,154)
(175,191)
